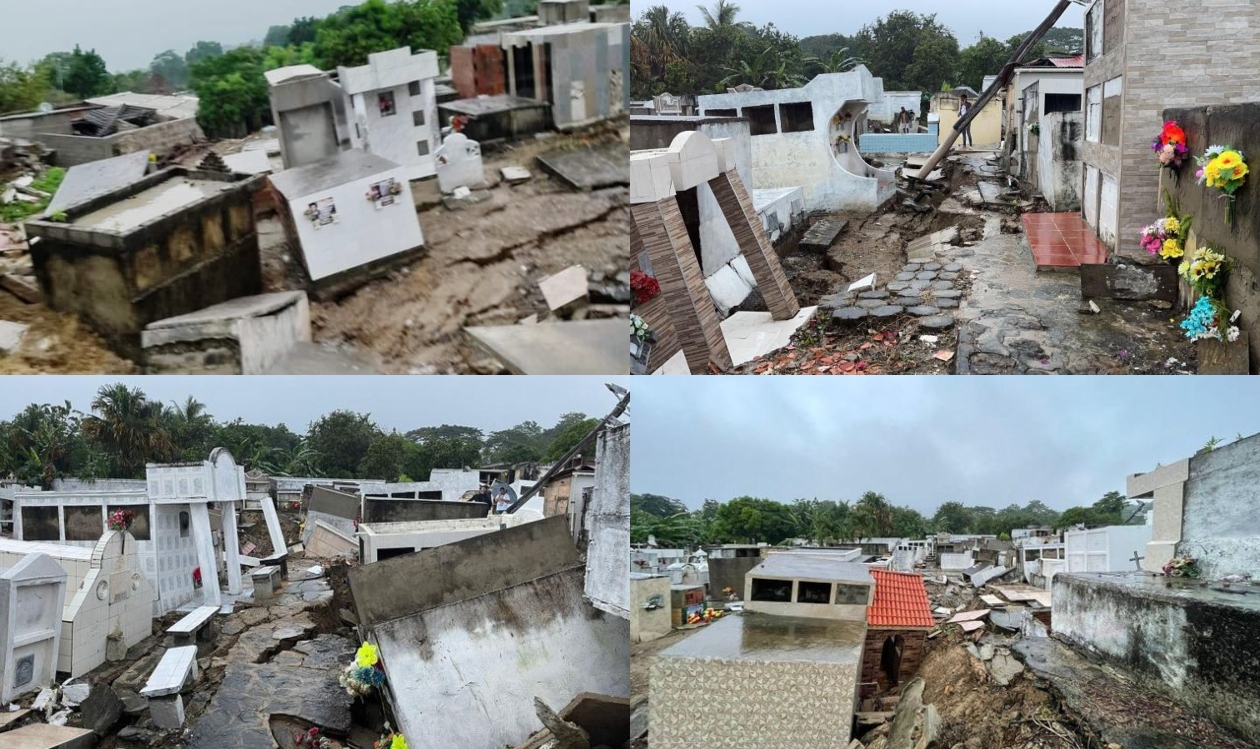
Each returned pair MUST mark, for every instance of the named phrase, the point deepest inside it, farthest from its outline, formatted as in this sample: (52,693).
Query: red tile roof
(1069,62)
(900,601)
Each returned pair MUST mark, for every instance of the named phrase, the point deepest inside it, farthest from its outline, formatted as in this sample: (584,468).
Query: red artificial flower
(645,287)
(1172,133)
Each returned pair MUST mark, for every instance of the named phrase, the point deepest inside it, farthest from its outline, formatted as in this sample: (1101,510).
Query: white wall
(956,561)
(362,233)
(1109,549)
(417,535)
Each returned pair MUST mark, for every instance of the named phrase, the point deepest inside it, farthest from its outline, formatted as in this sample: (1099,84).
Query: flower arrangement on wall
(1223,168)
(120,520)
(391,741)
(1167,237)
(645,287)
(1170,146)
(1182,567)
(639,328)
(312,739)
(365,674)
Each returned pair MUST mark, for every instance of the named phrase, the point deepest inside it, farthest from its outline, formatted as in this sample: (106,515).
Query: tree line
(229,82)
(826,522)
(125,429)
(910,51)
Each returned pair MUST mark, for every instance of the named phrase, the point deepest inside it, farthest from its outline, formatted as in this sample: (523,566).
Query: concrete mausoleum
(810,136)
(392,107)
(32,594)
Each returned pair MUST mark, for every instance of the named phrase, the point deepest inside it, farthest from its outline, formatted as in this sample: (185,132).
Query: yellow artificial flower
(399,742)
(1229,159)
(1172,249)
(1184,268)
(1196,270)
(1209,269)
(366,657)
(1172,225)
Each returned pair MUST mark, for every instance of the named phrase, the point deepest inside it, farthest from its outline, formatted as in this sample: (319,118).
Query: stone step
(823,234)
(44,736)
(8,720)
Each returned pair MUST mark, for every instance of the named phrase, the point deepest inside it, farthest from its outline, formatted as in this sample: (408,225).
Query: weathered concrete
(247,335)
(1195,640)
(607,524)
(32,594)
(1220,526)
(649,607)
(382,510)
(571,347)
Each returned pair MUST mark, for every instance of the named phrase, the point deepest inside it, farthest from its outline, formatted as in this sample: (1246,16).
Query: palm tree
(873,515)
(190,426)
(659,37)
(722,15)
(839,61)
(765,71)
(129,427)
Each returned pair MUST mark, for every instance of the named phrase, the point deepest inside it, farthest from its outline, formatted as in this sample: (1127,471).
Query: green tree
(341,439)
(129,427)
(171,66)
(985,57)
(656,505)
(350,34)
(452,451)
(908,523)
(302,30)
(277,36)
(43,443)
(839,61)
(519,444)
(1059,40)
(21,89)
(909,51)
(753,520)
(232,92)
(722,14)
(1038,50)
(191,429)
(385,456)
(202,51)
(565,441)
(86,74)
(952,517)
(873,515)
(471,11)
(133,80)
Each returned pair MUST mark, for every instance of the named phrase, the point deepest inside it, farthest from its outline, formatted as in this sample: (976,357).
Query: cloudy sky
(401,403)
(129,33)
(922,441)
(967,18)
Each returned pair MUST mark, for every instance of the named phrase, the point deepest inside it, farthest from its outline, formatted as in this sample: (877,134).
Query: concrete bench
(279,559)
(196,625)
(177,669)
(266,582)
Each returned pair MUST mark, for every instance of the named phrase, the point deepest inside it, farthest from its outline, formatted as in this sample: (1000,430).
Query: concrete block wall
(1170,59)
(73,150)
(159,137)
(901,142)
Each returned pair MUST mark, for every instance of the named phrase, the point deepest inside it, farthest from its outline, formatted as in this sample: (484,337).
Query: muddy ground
(1012,318)
(481,266)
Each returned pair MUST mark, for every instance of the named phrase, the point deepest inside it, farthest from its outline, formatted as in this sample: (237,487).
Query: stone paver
(946,303)
(912,267)
(849,314)
(891,310)
(932,266)
(942,285)
(948,276)
(904,276)
(926,275)
(909,301)
(918,284)
(874,294)
(953,267)
(870,303)
(923,310)
(947,294)
(937,322)
(897,285)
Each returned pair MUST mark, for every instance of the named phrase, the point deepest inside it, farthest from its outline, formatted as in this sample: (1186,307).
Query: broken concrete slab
(23,287)
(315,359)
(11,335)
(823,234)
(246,335)
(576,347)
(565,287)
(254,161)
(967,616)
(1129,282)
(589,168)
(44,736)
(96,178)
(514,175)
(748,336)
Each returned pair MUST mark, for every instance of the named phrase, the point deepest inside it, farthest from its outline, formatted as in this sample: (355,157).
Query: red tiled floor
(1062,240)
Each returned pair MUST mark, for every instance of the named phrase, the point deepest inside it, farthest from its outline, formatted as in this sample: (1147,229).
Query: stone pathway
(928,291)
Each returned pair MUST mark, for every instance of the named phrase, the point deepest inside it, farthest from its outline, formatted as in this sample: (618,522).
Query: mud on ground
(484,262)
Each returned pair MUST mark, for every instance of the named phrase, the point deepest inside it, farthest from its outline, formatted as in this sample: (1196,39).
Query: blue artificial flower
(1201,320)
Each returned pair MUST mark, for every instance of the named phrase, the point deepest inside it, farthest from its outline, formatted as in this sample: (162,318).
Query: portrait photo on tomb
(334,563)
(1000,563)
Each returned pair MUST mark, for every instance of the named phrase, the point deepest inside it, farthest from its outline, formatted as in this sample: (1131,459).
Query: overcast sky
(966,18)
(922,441)
(401,402)
(129,33)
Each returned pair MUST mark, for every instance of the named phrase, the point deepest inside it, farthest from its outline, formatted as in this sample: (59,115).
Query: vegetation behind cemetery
(910,51)
(125,429)
(753,520)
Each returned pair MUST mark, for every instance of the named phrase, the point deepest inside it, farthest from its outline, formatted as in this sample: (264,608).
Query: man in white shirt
(502,502)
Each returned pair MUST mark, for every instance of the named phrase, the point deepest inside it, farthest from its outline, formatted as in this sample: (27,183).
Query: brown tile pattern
(738,209)
(660,228)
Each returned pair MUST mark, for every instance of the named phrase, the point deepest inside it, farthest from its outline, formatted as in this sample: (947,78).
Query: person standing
(963,108)
(502,502)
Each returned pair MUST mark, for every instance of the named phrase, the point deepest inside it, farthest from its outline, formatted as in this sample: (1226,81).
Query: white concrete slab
(11,334)
(195,620)
(175,668)
(565,287)
(748,335)
(44,736)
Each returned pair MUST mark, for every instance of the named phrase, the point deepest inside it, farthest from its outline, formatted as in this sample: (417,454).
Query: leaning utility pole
(1002,81)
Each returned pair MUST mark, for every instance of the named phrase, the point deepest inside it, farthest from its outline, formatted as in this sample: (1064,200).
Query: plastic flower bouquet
(1223,168)
(1207,271)
(645,287)
(1182,567)
(120,520)
(1210,319)
(1170,146)
(639,328)
(1167,237)
(365,674)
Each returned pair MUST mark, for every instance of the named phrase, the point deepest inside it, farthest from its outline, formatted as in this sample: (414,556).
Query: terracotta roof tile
(901,600)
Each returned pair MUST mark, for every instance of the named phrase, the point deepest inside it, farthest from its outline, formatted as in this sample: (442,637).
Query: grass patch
(20,210)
